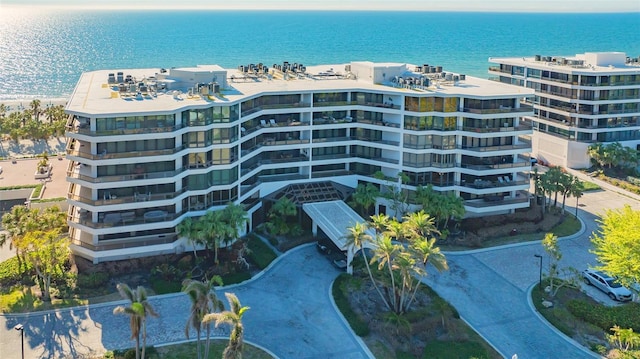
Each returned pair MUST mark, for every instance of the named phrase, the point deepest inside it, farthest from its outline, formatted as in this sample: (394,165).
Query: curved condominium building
(151,147)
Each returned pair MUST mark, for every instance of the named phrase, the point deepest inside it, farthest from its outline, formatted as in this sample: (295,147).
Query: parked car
(607,284)
(0,170)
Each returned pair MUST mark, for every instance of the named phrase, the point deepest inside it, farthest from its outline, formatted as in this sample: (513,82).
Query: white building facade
(580,100)
(151,147)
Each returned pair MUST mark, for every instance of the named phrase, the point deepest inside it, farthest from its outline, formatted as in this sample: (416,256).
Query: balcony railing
(253,110)
(126,218)
(497,200)
(124,243)
(109,200)
(122,131)
(497,148)
(128,177)
(522,108)
(495,166)
(106,156)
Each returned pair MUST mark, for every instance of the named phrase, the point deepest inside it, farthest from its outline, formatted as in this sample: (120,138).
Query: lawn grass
(463,350)
(261,254)
(189,351)
(590,186)
(570,225)
(22,300)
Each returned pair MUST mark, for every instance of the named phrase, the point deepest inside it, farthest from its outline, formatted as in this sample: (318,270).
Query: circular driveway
(292,315)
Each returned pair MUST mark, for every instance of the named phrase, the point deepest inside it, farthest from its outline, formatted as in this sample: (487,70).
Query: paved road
(489,288)
(291,315)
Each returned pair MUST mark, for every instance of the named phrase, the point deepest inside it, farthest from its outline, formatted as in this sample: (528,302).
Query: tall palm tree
(365,197)
(35,107)
(384,254)
(215,229)
(234,216)
(137,311)
(188,228)
(356,238)
(232,317)
(425,251)
(11,223)
(203,301)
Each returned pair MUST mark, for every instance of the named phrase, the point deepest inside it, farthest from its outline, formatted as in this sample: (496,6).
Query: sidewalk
(606,185)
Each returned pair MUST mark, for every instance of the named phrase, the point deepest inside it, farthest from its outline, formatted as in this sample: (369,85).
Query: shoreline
(23,104)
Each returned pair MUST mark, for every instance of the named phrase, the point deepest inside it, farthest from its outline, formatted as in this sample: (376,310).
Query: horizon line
(323,9)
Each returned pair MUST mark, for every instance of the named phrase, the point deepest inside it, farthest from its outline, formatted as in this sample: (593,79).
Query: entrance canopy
(335,218)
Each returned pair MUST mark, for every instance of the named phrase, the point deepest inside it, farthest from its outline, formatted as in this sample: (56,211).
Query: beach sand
(19,105)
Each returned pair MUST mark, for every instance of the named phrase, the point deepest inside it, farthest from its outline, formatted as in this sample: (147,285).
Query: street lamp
(20,328)
(540,275)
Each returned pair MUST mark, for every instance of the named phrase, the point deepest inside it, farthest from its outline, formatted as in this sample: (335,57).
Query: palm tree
(12,223)
(384,254)
(188,228)
(203,301)
(425,251)
(577,190)
(379,223)
(356,238)
(35,107)
(215,229)
(232,317)
(419,224)
(138,311)
(364,197)
(234,216)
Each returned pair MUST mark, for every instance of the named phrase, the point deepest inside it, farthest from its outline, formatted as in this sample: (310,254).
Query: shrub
(625,316)
(234,278)
(339,291)
(10,272)
(261,254)
(162,286)
(92,280)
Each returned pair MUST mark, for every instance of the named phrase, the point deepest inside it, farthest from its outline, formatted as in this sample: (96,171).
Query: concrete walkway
(292,315)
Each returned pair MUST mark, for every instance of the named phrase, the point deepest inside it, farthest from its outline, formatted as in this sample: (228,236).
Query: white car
(0,170)
(607,284)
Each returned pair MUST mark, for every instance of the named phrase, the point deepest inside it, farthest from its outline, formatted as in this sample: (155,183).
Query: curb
(583,229)
(554,329)
(217,338)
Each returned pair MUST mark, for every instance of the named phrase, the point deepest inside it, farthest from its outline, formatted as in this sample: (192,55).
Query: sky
(386,5)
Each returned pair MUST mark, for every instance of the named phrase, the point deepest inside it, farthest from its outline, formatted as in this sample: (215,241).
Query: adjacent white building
(579,100)
(151,147)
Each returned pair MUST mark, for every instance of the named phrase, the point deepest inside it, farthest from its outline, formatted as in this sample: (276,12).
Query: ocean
(43,52)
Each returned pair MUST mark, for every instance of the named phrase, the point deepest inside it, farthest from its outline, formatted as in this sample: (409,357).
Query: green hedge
(261,254)
(360,327)
(9,188)
(625,316)
(92,280)
(234,278)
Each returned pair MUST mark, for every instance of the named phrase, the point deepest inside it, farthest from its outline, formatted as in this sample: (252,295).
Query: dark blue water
(43,53)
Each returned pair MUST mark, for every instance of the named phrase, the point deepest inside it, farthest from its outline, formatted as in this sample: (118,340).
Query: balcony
(77,173)
(253,110)
(498,148)
(105,156)
(495,166)
(113,199)
(127,242)
(501,109)
(125,218)
(85,130)
(498,200)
